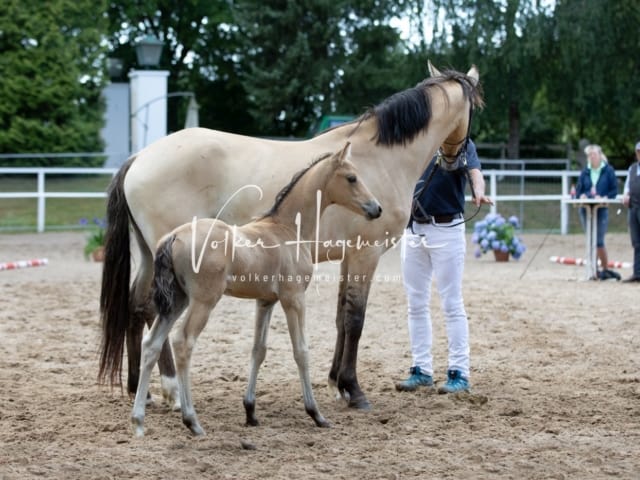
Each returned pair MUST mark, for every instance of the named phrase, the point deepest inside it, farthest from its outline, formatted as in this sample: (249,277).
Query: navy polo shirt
(445,193)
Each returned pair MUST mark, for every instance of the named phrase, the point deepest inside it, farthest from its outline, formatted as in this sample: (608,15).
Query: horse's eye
(352,179)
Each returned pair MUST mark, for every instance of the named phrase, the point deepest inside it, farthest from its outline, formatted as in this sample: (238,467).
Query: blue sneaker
(455,383)
(416,379)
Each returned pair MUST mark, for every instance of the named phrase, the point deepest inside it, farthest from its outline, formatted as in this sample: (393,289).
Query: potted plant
(496,234)
(94,247)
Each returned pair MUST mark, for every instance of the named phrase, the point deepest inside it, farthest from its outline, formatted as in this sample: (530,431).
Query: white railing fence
(42,195)
(521,186)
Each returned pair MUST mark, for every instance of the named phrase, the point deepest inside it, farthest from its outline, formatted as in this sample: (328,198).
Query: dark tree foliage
(197,53)
(51,76)
(595,82)
(311,57)
(551,72)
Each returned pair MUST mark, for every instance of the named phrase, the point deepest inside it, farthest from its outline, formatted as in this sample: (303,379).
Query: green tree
(505,40)
(51,75)
(302,59)
(594,81)
(198,52)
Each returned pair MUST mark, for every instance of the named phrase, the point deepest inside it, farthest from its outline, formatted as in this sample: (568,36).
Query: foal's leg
(143,313)
(294,310)
(183,343)
(151,348)
(258,353)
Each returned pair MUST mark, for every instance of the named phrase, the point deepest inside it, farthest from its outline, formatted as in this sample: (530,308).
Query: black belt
(437,219)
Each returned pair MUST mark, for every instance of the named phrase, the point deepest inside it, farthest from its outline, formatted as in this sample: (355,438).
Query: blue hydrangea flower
(495,233)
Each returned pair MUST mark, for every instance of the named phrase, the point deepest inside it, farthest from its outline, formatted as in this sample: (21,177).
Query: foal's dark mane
(405,114)
(282,194)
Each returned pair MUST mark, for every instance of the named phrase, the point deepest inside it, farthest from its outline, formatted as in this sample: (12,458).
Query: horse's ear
(345,153)
(433,71)
(474,75)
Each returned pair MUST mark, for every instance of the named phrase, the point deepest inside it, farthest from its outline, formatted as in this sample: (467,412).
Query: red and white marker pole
(582,261)
(36,262)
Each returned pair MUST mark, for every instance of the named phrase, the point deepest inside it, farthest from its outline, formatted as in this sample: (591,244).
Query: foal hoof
(323,423)
(138,428)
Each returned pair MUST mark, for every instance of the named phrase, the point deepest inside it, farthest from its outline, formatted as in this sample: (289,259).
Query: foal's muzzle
(372,209)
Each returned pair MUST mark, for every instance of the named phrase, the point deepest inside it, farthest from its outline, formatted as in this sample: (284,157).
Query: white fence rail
(41,194)
(493,179)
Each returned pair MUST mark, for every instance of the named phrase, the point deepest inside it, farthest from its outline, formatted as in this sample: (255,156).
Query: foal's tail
(167,292)
(116,272)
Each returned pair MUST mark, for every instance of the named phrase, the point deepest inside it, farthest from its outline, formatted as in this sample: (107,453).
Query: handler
(434,246)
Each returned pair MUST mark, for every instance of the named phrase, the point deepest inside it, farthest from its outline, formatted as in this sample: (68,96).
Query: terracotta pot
(98,254)
(501,256)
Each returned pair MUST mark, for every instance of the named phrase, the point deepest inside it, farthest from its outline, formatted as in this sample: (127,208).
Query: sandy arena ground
(555,375)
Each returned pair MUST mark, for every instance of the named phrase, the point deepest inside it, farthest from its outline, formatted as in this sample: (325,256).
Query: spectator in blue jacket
(597,180)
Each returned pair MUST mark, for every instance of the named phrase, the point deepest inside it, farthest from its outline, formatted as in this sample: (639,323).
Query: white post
(148,107)
(493,188)
(564,207)
(41,202)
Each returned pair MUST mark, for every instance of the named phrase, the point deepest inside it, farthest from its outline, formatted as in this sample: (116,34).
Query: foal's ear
(433,71)
(473,74)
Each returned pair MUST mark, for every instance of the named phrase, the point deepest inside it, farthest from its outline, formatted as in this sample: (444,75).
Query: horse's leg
(294,310)
(151,347)
(351,314)
(183,342)
(337,353)
(141,313)
(258,353)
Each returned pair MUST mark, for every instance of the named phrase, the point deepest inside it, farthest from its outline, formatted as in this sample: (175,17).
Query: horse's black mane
(282,194)
(405,114)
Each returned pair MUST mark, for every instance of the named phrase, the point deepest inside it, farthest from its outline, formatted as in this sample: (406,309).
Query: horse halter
(451,163)
(455,162)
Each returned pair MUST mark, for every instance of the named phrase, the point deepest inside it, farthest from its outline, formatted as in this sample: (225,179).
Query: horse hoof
(193,426)
(360,404)
(170,392)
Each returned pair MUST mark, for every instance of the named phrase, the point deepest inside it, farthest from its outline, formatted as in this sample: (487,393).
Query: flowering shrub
(496,233)
(96,238)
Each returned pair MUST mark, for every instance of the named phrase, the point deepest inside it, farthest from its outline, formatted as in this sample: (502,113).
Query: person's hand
(481,199)
(584,195)
(626,199)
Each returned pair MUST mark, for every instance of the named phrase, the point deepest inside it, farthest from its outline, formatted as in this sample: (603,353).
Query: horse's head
(451,152)
(344,187)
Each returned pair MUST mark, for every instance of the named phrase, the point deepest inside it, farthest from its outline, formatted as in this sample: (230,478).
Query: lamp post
(148,51)
(148,119)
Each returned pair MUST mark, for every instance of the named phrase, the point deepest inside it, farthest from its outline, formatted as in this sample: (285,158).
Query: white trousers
(435,252)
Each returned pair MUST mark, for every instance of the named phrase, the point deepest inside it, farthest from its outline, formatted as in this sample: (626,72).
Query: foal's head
(344,187)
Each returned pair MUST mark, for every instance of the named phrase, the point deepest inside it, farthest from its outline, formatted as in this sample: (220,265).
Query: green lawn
(60,213)
(542,216)
(65,213)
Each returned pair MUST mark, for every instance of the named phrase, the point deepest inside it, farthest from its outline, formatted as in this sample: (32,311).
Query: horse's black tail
(116,272)
(167,293)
